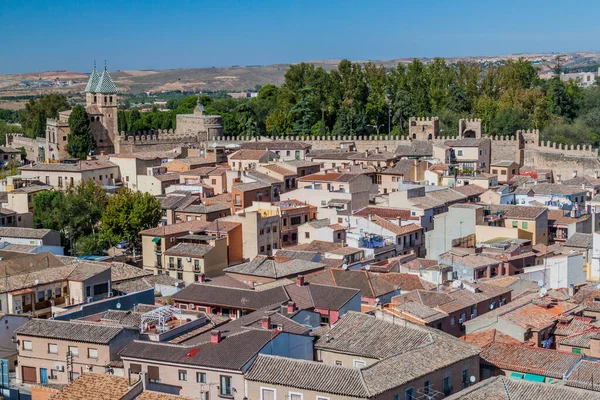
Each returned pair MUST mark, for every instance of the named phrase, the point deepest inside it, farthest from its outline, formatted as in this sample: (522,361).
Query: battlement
(503,139)
(424,119)
(569,150)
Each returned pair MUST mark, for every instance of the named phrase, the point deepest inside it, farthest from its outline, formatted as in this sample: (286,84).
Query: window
(262,232)
(495,171)
(525,225)
(465,378)
(575,350)
(307,235)
(200,377)
(409,394)
(295,396)
(359,364)
(182,375)
(58,292)
(41,296)
(171,262)
(447,385)
(515,224)
(267,394)
(459,152)
(274,228)
(52,348)
(27,345)
(135,368)
(427,388)
(262,249)
(296,220)
(225,386)
(452,321)
(197,265)
(53,374)
(153,374)
(338,362)
(100,288)
(93,353)
(49,294)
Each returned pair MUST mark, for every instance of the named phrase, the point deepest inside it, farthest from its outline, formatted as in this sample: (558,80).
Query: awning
(516,375)
(156,240)
(535,378)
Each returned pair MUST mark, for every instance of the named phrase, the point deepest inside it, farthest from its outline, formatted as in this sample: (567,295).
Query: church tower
(101,106)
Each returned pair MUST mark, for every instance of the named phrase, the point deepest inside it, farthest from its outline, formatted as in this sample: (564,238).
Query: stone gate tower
(101,106)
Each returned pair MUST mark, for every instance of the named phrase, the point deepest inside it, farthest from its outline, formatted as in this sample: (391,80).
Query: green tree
(33,119)
(80,141)
(127,213)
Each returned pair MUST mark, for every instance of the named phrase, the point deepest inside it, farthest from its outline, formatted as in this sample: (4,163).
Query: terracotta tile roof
(405,354)
(581,339)
(585,375)
(531,316)
(69,330)
(524,212)
(103,386)
(580,240)
(248,154)
(186,227)
(387,213)
(320,177)
(531,360)
(265,267)
(559,217)
(223,198)
(469,190)
(420,263)
(152,395)
(396,229)
(503,388)
(487,337)
(122,272)
(276,145)
(572,326)
(80,166)
(278,169)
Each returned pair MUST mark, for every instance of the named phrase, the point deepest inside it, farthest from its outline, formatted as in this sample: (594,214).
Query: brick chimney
(291,307)
(265,322)
(300,280)
(215,336)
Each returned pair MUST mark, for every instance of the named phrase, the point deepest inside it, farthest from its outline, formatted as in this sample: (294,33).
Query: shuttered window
(153,374)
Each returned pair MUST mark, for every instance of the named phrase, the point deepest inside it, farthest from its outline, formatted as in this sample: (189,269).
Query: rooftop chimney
(596,174)
(291,307)
(571,290)
(370,217)
(300,280)
(265,322)
(215,336)
(376,150)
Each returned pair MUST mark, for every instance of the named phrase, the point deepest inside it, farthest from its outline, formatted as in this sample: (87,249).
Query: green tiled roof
(105,84)
(93,81)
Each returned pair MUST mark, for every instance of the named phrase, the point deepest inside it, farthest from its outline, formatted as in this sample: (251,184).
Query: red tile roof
(487,337)
(532,360)
(387,213)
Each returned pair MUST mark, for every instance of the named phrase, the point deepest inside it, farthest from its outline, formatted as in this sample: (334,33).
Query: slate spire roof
(93,81)
(105,83)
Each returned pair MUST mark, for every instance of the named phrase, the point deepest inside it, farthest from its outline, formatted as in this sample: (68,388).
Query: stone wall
(33,147)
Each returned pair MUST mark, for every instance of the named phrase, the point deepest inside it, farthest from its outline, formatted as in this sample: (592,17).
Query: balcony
(44,304)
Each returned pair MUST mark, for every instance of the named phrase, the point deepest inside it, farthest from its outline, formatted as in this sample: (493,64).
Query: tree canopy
(80,141)
(362,99)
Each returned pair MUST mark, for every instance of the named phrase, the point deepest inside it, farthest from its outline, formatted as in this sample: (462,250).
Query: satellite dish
(396,287)
(36,282)
(367,267)
(464,271)
(598,286)
(543,292)
(472,379)
(541,283)
(344,266)
(118,305)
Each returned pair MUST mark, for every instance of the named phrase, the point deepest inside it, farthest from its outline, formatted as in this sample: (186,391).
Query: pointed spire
(105,83)
(199,110)
(93,81)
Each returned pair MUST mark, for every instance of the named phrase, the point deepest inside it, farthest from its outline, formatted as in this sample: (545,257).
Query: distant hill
(235,78)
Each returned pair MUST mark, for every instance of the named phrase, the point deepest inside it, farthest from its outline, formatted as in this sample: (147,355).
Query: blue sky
(152,34)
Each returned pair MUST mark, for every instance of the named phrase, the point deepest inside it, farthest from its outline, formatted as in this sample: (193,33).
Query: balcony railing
(44,304)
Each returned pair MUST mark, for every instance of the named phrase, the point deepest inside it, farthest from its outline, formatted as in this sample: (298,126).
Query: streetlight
(377,127)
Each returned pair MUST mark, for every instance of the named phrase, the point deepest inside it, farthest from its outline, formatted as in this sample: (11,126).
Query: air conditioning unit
(461,321)
(60,368)
(18,310)
(473,316)
(192,306)
(90,299)
(188,259)
(502,303)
